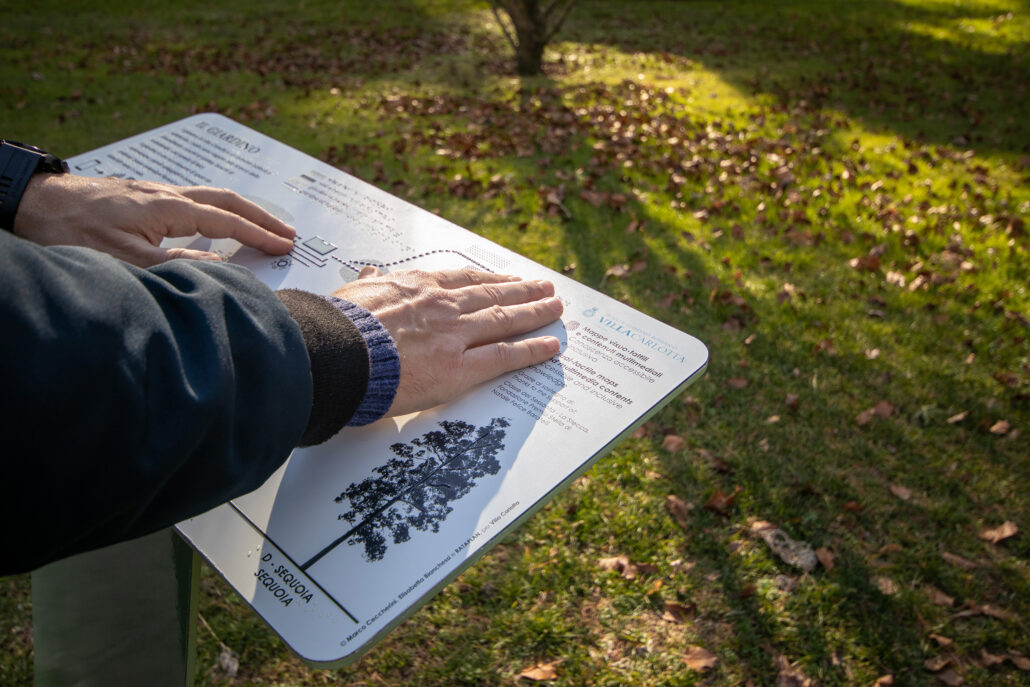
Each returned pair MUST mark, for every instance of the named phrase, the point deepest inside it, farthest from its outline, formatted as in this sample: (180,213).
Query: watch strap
(18,162)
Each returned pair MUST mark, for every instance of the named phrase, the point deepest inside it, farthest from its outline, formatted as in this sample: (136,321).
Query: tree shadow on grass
(947,74)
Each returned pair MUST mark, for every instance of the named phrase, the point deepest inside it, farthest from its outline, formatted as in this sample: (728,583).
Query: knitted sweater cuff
(384,373)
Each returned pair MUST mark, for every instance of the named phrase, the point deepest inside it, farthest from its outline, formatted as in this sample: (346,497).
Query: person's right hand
(450,328)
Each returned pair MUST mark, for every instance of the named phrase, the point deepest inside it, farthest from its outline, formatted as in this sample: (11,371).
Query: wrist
(19,166)
(32,206)
(384,371)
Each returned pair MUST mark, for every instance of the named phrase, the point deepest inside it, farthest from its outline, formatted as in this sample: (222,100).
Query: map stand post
(123,615)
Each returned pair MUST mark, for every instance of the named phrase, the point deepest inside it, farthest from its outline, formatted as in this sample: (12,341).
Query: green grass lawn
(832,195)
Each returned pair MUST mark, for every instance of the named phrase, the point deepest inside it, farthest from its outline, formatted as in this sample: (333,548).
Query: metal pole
(123,615)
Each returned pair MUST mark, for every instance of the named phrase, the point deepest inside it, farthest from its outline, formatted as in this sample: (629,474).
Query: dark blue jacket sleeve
(132,399)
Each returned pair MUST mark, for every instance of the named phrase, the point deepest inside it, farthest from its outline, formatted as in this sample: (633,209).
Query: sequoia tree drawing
(415,488)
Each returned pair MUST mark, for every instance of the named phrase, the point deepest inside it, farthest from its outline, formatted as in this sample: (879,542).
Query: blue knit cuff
(384,363)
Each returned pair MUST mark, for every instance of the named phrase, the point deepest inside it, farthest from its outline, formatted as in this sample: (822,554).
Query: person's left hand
(128,219)
(452,328)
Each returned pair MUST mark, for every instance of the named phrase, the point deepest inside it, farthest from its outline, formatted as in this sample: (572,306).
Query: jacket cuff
(384,373)
(339,363)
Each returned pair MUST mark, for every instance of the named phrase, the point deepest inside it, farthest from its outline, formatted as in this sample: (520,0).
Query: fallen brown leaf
(619,564)
(865,417)
(999,613)
(950,678)
(936,664)
(714,461)
(824,346)
(884,681)
(720,502)
(958,417)
(825,557)
(1000,427)
(969,610)
(541,672)
(679,509)
(942,641)
(792,677)
(673,443)
(866,263)
(649,569)
(678,613)
(1020,661)
(959,561)
(617,271)
(989,659)
(1006,530)
(737,383)
(886,585)
(883,408)
(901,492)
(938,597)
(792,401)
(700,659)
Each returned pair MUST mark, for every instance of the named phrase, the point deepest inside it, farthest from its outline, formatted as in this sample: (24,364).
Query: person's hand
(450,328)
(128,219)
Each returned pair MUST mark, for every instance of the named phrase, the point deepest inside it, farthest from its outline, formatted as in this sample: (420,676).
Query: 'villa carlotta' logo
(643,338)
(590,313)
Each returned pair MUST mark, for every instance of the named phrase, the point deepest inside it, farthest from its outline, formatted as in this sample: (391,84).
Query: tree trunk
(533,26)
(529,57)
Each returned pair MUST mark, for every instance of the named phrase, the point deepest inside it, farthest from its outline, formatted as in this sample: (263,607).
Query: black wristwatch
(18,162)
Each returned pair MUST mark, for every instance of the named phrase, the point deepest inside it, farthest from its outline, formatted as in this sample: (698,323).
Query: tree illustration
(415,488)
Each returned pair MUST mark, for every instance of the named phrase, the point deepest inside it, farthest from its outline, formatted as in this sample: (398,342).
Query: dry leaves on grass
(939,598)
(673,443)
(795,553)
(714,461)
(617,271)
(541,672)
(959,561)
(679,509)
(886,585)
(997,534)
(825,557)
(971,608)
(883,409)
(700,659)
(790,676)
(678,613)
(627,568)
(950,678)
(958,417)
(1000,427)
(720,501)
(903,493)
